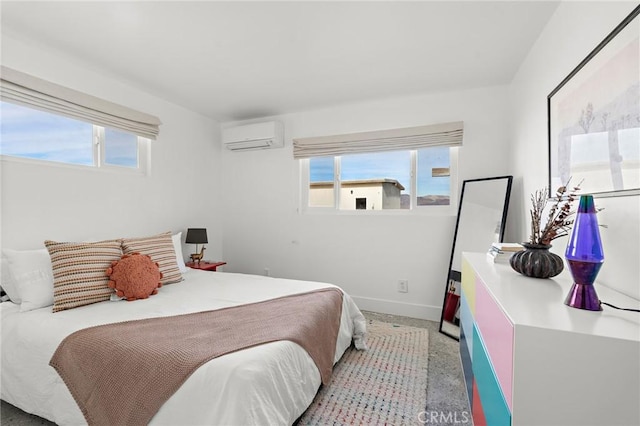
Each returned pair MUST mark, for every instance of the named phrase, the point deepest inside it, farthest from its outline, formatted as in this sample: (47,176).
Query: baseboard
(392,307)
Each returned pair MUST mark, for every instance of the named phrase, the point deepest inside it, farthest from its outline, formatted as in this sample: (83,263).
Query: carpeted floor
(447,403)
(386,384)
(446,400)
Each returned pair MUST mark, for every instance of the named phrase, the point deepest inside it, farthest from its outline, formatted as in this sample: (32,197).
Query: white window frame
(99,154)
(143,169)
(98,141)
(414,209)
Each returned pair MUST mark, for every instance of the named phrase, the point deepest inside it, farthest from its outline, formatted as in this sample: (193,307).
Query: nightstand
(205,266)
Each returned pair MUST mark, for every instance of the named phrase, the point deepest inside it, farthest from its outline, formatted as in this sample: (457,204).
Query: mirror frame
(456,275)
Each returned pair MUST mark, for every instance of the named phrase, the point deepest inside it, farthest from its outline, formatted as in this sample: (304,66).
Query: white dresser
(528,359)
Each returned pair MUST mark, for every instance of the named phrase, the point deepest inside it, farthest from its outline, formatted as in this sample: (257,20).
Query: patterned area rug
(385,385)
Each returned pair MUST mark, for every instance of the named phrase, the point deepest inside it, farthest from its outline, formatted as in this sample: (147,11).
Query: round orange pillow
(134,276)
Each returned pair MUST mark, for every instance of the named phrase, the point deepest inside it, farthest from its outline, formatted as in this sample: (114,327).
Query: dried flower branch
(559,218)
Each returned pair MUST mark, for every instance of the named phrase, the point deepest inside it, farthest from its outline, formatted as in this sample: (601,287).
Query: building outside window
(395,180)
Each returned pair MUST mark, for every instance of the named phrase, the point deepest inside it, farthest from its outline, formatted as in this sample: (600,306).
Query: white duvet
(271,384)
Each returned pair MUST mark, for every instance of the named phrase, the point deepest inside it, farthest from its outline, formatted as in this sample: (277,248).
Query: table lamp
(197,236)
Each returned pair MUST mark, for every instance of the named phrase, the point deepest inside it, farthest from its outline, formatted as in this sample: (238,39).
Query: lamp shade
(196,236)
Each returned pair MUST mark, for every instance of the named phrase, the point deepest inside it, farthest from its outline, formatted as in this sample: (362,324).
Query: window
(322,173)
(391,180)
(381,180)
(120,148)
(410,168)
(34,134)
(433,177)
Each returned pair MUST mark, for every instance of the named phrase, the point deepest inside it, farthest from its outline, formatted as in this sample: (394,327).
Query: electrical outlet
(403,286)
(266,272)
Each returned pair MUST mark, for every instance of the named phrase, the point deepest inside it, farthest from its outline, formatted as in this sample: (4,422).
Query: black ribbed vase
(536,261)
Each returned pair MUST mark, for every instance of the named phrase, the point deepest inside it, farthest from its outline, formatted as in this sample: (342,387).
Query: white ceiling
(240,60)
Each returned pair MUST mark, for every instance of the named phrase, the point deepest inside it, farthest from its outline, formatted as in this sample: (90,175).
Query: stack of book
(501,252)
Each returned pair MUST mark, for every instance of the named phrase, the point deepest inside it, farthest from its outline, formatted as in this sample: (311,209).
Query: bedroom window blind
(410,138)
(27,90)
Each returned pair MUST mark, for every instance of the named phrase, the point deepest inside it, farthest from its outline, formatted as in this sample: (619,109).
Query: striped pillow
(79,272)
(161,250)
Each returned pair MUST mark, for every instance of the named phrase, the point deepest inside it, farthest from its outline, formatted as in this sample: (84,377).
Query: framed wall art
(594,118)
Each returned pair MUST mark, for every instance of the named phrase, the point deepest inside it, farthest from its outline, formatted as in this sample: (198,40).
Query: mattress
(270,384)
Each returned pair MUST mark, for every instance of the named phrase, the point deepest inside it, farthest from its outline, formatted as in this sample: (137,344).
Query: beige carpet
(384,385)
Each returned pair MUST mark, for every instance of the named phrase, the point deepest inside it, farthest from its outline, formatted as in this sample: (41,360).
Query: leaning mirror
(482,214)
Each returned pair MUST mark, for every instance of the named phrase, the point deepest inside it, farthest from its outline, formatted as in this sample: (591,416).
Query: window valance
(27,90)
(444,134)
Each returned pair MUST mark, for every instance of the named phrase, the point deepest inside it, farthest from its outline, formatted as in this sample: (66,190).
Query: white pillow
(33,277)
(177,245)
(7,282)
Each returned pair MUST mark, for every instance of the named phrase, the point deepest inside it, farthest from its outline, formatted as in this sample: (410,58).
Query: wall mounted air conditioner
(253,136)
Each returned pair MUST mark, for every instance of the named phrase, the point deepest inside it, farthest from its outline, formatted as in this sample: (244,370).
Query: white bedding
(269,384)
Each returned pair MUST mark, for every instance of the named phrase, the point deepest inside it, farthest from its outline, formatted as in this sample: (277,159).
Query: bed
(271,384)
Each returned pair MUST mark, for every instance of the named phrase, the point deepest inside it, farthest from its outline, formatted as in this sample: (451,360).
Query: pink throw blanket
(122,373)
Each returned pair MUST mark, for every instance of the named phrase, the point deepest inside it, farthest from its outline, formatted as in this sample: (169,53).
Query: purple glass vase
(585,257)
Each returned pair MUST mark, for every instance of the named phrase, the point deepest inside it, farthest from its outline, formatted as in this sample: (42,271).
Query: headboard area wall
(49,201)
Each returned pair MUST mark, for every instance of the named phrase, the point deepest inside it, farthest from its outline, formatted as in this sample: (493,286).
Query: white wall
(48,202)
(364,254)
(574,31)
(249,201)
